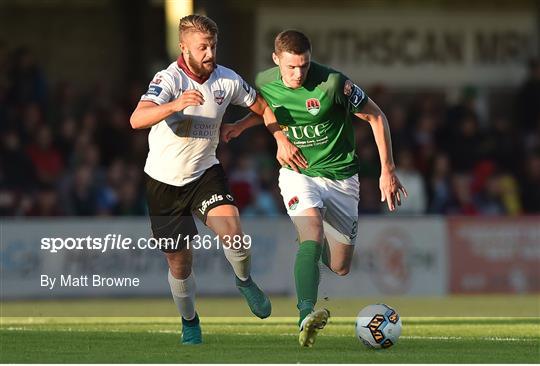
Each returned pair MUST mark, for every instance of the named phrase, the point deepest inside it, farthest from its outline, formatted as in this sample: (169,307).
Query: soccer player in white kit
(184,106)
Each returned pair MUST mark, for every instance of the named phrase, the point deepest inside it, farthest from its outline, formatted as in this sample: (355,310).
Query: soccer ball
(378,326)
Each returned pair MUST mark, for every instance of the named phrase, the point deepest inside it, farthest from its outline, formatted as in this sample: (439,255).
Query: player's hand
(189,98)
(391,189)
(230,131)
(288,154)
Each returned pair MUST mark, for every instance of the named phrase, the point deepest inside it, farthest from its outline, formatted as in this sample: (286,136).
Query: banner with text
(494,255)
(413,47)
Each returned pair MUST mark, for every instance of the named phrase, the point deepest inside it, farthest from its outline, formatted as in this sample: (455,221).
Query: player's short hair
(197,23)
(292,41)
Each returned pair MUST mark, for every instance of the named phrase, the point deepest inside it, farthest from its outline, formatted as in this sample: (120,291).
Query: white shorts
(337,199)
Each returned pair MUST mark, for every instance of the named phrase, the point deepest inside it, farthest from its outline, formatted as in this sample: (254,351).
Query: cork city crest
(313,106)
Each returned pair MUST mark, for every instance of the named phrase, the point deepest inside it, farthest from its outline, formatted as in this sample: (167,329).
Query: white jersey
(183,146)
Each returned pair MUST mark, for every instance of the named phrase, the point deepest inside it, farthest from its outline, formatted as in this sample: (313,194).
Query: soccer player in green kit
(319,178)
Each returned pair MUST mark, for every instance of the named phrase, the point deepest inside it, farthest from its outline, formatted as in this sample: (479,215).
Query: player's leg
(337,256)
(340,224)
(182,283)
(214,205)
(224,220)
(169,220)
(309,226)
(301,196)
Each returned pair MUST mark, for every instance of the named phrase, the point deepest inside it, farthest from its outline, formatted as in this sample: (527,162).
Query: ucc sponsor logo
(308,132)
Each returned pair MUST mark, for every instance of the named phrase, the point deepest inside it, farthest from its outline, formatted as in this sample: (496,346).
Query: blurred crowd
(70,152)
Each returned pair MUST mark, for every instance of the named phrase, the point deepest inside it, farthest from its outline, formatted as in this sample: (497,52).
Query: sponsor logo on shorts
(313,106)
(229,197)
(206,203)
(219,95)
(293,203)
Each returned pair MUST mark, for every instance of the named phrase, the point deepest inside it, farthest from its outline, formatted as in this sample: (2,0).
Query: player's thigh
(224,220)
(309,225)
(213,202)
(171,221)
(302,199)
(341,210)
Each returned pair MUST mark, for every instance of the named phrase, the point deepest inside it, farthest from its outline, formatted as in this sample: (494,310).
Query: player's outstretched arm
(259,112)
(389,184)
(230,131)
(148,113)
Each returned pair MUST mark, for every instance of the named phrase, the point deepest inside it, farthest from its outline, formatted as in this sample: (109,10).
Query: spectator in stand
(530,184)
(114,136)
(411,178)
(26,81)
(18,172)
(527,105)
(81,193)
(465,148)
(489,200)
(440,185)
(47,161)
(46,202)
(464,202)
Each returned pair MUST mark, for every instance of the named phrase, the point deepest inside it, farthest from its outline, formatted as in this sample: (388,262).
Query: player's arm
(287,152)
(230,131)
(148,113)
(389,184)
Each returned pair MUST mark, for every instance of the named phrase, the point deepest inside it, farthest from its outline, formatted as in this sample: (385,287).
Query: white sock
(240,260)
(183,293)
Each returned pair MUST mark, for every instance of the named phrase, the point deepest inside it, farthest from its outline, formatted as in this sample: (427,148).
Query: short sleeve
(350,95)
(160,90)
(243,94)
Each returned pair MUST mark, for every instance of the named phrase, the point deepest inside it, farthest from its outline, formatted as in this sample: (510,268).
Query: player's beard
(202,69)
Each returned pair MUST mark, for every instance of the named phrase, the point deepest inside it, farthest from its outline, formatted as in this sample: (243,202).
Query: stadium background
(459,83)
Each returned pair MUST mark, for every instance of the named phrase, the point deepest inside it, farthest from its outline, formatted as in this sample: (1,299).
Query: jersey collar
(182,65)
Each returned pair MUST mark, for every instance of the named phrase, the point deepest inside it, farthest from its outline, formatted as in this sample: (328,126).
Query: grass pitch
(242,339)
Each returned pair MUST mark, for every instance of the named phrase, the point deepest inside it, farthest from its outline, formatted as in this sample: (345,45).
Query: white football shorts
(337,199)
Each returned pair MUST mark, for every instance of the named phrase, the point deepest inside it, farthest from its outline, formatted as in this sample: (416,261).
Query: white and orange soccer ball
(378,326)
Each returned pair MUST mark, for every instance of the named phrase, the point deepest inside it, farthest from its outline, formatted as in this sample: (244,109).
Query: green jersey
(317,118)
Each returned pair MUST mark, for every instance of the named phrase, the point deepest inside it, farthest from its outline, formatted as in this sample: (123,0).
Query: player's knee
(230,228)
(180,271)
(342,270)
(180,267)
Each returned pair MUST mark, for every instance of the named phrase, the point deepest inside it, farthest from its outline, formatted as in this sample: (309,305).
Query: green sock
(306,276)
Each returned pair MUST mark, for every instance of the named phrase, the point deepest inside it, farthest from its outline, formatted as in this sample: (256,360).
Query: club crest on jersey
(313,106)
(219,95)
(293,203)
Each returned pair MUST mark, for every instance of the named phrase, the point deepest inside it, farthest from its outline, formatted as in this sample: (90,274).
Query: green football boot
(191,331)
(257,300)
